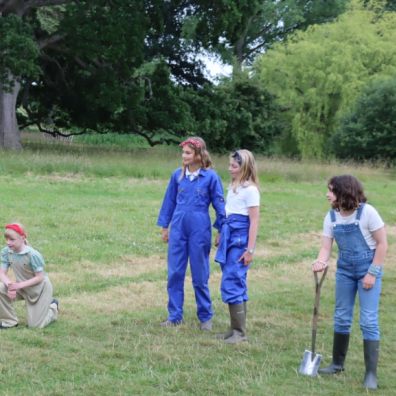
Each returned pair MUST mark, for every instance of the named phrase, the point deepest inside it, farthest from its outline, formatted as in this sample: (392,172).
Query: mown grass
(92,213)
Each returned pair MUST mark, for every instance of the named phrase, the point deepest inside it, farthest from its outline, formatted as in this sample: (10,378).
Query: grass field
(92,214)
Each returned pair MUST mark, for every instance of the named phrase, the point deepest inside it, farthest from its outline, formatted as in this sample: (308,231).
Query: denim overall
(354,259)
(233,243)
(186,209)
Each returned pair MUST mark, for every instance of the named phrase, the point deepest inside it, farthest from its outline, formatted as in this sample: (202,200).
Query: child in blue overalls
(185,208)
(238,240)
(362,244)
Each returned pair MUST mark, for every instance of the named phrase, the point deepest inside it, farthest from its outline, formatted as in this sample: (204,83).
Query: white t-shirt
(370,221)
(243,198)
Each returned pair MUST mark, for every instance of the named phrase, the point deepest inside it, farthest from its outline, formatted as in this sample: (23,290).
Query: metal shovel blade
(310,364)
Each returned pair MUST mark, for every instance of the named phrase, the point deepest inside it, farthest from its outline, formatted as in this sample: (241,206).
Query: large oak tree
(101,65)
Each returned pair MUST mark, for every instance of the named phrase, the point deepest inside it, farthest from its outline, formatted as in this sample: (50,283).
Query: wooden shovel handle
(318,285)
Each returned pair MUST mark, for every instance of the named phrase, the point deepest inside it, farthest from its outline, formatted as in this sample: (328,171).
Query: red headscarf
(194,142)
(17,228)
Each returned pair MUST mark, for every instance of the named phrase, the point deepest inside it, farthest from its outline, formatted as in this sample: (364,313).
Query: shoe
(206,326)
(7,327)
(168,323)
(56,302)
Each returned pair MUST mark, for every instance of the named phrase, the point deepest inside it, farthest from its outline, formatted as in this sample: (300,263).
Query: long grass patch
(92,214)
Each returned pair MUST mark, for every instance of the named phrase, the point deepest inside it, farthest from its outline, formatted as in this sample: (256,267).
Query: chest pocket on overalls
(201,197)
(181,195)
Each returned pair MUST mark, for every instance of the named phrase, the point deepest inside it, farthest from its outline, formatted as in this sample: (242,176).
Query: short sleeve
(37,262)
(5,264)
(374,220)
(328,227)
(252,197)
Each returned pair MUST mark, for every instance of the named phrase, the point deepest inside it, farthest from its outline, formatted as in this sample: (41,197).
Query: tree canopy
(135,66)
(318,74)
(368,132)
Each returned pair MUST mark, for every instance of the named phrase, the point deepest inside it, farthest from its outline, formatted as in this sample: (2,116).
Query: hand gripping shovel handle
(318,285)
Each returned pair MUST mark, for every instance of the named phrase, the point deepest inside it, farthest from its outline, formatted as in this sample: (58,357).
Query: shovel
(311,360)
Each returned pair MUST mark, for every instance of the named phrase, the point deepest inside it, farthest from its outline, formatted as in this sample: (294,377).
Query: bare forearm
(254,216)
(380,253)
(324,254)
(253,230)
(32,281)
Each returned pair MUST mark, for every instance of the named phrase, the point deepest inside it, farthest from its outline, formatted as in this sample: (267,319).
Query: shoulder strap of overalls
(359,211)
(332,216)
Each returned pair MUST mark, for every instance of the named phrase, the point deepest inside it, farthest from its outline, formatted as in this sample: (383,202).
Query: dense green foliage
(369,132)
(318,75)
(237,113)
(18,50)
(136,67)
(249,27)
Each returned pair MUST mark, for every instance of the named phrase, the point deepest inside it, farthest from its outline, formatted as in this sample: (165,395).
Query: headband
(194,142)
(17,228)
(237,157)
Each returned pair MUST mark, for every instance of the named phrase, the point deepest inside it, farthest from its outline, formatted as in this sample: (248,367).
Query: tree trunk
(10,137)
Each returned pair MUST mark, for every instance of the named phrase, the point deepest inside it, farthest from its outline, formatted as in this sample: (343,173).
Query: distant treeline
(310,79)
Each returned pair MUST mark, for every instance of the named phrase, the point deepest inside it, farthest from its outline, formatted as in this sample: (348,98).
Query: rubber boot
(230,331)
(340,348)
(371,352)
(238,320)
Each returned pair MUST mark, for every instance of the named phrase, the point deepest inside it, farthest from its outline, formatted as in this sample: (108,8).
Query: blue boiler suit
(186,209)
(354,259)
(233,243)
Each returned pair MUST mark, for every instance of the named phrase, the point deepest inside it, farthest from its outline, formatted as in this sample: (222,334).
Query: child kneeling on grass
(31,285)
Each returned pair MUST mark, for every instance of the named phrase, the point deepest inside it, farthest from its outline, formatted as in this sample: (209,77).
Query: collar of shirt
(24,250)
(192,175)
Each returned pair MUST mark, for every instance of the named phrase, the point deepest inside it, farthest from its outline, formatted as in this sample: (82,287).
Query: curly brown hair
(348,192)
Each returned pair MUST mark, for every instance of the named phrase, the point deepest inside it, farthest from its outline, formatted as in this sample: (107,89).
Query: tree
(380,6)
(250,27)
(93,65)
(19,51)
(369,131)
(237,113)
(318,74)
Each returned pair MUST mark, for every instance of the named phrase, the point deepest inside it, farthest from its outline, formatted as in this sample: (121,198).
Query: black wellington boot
(371,352)
(340,348)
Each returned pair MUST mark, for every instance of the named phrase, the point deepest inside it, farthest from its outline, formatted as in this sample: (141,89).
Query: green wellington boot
(238,318)
(229,332)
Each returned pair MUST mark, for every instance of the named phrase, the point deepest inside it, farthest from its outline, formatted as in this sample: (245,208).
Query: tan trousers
(40,313)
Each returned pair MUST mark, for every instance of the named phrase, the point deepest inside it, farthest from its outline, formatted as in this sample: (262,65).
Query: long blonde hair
(246,161)
(198,145)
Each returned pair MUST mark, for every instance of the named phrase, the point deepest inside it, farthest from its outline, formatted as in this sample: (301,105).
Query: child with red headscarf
(31,283)
(185,221)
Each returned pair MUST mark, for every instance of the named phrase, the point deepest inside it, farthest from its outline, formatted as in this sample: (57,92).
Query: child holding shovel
(361,239)
(238,240)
